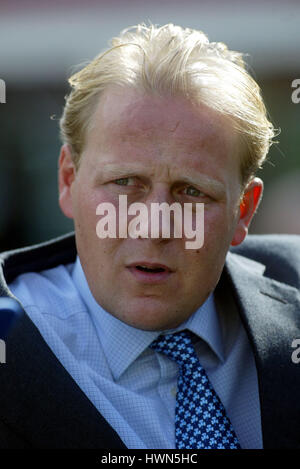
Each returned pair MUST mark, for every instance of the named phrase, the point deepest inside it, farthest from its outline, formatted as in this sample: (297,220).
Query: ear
(251,199)
(66,177)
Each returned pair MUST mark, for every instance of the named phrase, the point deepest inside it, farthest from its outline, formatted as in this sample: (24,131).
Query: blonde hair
(170,60)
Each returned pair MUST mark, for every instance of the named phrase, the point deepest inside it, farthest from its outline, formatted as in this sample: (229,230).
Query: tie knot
(177,347)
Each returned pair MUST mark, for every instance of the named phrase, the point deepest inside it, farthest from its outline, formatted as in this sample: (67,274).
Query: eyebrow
(117,171)
(197,179)
(192,177)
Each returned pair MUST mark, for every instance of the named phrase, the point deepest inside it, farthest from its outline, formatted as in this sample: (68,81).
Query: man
(164,116)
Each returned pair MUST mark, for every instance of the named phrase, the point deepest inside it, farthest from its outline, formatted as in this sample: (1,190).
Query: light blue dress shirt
(133,387)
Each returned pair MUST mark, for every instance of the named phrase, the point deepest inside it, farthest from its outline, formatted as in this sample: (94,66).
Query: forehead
(129,115)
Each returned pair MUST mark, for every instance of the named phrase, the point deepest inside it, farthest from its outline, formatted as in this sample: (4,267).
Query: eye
(123,181)
(192,191)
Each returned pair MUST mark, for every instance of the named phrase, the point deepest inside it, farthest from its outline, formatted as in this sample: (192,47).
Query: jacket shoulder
(61,250)
(279,253)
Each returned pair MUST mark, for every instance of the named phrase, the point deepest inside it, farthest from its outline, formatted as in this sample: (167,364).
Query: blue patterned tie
(200,418)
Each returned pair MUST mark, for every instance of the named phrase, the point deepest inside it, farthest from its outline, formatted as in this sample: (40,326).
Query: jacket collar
(269,310)
(51,411)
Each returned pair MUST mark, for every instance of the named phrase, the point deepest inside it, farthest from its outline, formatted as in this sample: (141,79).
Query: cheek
(85,203)
(219,224)
(98,251)
(218,229)
(215,225)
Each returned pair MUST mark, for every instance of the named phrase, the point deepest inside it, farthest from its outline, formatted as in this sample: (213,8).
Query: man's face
(153,149)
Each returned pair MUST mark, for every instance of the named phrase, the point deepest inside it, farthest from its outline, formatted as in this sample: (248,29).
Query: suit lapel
(38,396)
(42,402)
(270,313)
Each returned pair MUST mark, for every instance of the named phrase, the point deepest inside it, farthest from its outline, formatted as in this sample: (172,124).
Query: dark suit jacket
(41,406)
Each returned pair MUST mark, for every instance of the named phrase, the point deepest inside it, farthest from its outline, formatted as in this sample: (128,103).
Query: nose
(159,219)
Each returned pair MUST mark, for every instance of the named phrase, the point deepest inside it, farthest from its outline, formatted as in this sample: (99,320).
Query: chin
(153,318)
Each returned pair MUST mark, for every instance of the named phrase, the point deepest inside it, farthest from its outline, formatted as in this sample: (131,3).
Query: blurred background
(42,41)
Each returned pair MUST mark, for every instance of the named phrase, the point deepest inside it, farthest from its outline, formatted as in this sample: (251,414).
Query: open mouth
(153,270)
(147,272)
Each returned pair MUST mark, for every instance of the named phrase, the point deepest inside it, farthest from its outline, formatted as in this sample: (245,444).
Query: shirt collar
(116,336)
